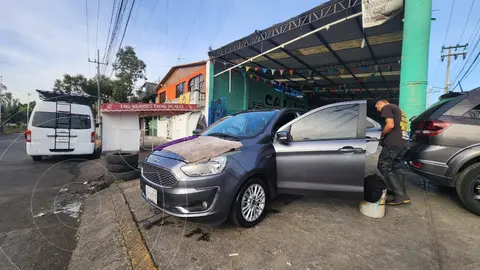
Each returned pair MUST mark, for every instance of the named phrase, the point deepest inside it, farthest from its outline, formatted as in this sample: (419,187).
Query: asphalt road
(40,207)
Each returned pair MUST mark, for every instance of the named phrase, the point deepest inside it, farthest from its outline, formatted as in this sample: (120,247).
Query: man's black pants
(391,160)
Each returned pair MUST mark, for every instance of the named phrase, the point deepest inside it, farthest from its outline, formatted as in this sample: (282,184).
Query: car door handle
(350,149)
(370,139)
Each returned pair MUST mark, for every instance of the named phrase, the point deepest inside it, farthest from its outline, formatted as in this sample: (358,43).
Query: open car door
(323,151)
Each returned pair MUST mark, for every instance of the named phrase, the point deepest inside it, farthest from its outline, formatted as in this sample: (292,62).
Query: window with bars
(180,89)
(197,81)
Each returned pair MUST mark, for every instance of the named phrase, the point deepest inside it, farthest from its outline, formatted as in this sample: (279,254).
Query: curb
(137,250)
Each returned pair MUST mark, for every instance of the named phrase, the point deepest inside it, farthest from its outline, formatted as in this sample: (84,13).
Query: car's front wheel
(249,206)
(468,187)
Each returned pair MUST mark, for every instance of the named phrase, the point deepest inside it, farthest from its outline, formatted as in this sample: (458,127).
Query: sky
(42,40)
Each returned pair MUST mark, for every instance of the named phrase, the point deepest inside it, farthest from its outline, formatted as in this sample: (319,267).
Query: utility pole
(97,61)
(449,55)
(28,106)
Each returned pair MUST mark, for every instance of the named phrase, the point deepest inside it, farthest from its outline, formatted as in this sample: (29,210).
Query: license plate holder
(151,194)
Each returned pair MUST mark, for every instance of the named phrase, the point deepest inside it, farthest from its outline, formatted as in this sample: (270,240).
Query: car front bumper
(204,199)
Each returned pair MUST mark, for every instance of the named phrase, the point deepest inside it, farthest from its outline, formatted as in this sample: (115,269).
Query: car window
(47,120)
(284,119)
(432,109)
(370,124)
(338,122)
(243,125)
(473,113)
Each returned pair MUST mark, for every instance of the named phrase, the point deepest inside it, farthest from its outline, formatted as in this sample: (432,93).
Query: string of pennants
(350,87)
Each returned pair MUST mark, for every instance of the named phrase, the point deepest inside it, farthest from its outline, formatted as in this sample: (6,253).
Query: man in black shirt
(394,142)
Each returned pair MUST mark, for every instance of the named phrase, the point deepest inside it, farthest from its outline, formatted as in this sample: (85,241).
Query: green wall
(258,93)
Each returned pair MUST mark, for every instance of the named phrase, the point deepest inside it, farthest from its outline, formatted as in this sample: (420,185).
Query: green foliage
(15,112)
(128,70)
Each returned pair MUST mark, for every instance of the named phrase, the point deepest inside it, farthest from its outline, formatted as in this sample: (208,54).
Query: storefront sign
(146,107)
(376,12)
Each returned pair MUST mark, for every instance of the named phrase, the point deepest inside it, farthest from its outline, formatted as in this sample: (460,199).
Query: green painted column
(414,63)
(246,97)
(210,77)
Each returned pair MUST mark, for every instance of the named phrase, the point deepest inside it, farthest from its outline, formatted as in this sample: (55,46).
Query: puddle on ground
(72,209)
(203,236)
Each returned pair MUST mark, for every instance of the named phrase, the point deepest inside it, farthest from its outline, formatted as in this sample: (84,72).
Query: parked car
(445,145)
(60,128)
(284,151)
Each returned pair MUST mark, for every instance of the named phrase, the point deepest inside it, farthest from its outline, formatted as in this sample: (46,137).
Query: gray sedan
(284,151)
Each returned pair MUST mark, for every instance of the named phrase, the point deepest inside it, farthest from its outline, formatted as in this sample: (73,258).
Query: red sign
(147,107)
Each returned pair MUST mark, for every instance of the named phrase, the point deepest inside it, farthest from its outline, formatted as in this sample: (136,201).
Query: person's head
(380,103)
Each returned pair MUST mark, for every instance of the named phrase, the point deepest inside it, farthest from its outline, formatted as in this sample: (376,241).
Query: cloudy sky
(41,40)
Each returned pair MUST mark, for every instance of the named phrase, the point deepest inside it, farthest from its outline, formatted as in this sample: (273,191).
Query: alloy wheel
(476,188)
(253,202)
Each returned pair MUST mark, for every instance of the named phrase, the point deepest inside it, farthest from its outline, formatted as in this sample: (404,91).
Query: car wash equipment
(376,209)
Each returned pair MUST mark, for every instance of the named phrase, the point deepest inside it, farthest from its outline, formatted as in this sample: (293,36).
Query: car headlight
(213,166)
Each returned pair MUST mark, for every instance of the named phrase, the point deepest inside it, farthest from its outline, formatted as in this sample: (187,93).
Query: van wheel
(250,204)
(468,187)
(37,158)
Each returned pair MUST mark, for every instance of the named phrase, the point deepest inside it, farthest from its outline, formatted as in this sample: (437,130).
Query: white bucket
(376,209)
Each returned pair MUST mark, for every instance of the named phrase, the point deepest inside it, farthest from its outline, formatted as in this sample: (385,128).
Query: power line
(88,39)
(126,25)
(464,75)
(109,28)
(191,26)
(477,42)
(98,16)
(223,21)
(466,22)
(449,20)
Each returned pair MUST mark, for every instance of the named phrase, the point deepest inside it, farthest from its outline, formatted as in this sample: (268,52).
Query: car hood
(168,154)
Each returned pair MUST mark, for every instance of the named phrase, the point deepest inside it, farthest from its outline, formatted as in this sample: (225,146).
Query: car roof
(282,110)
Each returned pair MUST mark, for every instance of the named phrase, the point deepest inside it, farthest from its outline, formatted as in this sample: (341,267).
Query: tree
(79,84)
(128,70)
(71,84)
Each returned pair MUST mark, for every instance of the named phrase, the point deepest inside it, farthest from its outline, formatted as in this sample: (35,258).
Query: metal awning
(151,109)
(324,51)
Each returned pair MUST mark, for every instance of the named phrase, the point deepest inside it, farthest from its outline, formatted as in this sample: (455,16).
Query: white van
(60,128)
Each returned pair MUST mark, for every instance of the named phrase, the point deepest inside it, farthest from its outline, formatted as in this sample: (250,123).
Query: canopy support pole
(414,62)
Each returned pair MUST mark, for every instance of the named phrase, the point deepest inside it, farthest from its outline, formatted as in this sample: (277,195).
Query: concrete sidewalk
(108,237)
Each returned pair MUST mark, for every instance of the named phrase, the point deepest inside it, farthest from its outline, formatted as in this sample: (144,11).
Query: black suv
(445,145)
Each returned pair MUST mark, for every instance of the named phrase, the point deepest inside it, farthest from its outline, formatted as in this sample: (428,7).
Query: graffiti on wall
(218,109)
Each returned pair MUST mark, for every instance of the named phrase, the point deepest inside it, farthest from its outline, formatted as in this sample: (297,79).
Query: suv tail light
(28,135)
(92,138)
(431,128)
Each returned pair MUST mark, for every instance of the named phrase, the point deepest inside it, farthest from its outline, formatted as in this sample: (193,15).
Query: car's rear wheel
(468,187)
(37,158)
(250,204)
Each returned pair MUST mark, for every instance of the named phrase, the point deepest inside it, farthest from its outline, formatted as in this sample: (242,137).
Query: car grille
(159,175)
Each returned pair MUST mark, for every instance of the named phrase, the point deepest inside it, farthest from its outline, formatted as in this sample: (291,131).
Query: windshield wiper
(218,134)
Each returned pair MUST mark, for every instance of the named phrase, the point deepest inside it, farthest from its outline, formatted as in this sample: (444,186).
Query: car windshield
(243,125)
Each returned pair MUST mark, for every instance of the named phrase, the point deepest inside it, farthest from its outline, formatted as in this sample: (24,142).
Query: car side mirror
(282,136)
(197,131)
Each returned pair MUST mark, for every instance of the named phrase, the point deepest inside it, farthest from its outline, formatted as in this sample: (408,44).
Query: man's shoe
(398,201)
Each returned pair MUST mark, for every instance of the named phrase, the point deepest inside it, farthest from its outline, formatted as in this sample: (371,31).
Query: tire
(122,158)
(37,158)
(465,183)
(236,215)
(119,168)
(123,176)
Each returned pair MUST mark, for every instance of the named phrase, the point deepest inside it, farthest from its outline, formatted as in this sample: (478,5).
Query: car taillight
(415,164)
(28,135)
(92,138)
(431,128)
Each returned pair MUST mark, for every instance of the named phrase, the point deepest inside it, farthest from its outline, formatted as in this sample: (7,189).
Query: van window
(47,120)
